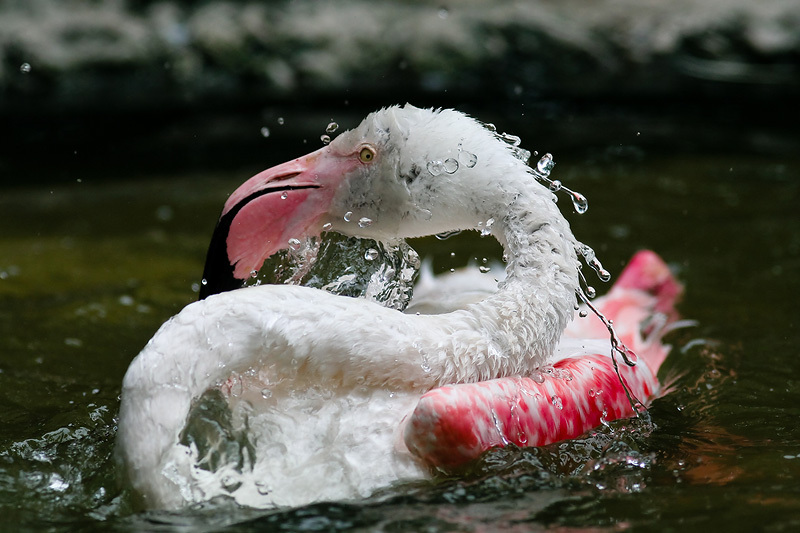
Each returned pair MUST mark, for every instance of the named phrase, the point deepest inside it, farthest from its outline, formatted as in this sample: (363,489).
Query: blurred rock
(71,70)
(147,53)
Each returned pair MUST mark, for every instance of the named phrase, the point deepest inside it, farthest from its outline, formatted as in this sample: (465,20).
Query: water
(89,270)
(360,268)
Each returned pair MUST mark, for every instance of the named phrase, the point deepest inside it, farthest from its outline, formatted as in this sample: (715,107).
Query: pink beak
(284,202)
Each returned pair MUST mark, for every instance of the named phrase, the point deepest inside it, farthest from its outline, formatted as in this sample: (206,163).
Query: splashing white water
(347,266)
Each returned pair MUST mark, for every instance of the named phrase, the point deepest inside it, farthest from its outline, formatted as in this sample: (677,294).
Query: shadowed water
(90,269)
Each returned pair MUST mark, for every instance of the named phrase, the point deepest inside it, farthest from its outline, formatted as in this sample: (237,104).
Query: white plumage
(320,383)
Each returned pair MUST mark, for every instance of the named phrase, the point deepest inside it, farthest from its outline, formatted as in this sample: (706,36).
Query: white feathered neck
(299,336)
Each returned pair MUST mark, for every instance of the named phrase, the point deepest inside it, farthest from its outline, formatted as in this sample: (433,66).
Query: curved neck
(527,315)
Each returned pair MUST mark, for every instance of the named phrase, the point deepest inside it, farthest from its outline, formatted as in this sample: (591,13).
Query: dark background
(145,86)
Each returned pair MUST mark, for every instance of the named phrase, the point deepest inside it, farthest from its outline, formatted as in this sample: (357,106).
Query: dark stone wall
(73,72)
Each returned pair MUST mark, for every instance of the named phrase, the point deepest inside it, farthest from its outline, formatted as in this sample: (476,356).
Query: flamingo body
(332,397)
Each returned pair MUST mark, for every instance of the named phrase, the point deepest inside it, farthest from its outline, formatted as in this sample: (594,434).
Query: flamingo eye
(367,154)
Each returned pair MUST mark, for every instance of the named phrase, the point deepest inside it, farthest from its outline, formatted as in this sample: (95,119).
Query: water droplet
(582,313)
(628,355)
(332,127)
(443,13)
(468,159)
(371,254)
(486,230)
(426,214)
(491,127)
(253,273)
(204,281)
(284,195)
(555,186)
(590,292)
(280,121)
(579,202)
(592,394)
(348,216)
(266,393)
(327,226)
(484,269)
(556,401)
(435,167)
(326,139)
(265,131)
(591,259)
(25,68)
(364,222)
(294,244)
(545,165)
(450,165)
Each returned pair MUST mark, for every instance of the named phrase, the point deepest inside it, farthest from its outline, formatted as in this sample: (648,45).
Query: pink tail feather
(454,424)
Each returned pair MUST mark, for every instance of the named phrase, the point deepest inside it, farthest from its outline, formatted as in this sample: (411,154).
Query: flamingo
(331,397)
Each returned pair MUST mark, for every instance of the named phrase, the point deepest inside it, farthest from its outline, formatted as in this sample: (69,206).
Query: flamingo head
(403,172)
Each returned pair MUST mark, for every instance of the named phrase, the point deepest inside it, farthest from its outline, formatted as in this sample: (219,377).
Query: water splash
(544,166)
(590,258)
(447,234)
(347,266)
(585,293)
(211,431)
(485,228)
(514,142)
(617,346)
(542,172)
